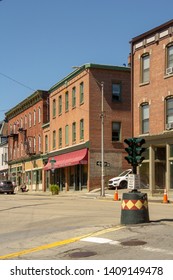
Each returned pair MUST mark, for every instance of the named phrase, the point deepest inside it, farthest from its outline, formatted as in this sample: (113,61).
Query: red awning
(68,159)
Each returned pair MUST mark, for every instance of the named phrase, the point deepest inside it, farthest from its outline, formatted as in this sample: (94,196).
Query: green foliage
(54,189)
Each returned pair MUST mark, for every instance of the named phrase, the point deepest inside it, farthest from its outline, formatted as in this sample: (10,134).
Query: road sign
(106,164)
(133,181)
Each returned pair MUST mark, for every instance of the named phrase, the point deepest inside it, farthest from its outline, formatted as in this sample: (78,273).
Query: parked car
(6,186)
(120,181)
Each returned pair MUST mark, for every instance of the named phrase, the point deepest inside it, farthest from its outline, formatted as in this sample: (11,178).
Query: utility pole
(102,141)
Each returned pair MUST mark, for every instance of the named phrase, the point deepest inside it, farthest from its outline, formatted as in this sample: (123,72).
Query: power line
(17,82)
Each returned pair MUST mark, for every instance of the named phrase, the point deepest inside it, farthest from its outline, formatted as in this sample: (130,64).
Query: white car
(120,181)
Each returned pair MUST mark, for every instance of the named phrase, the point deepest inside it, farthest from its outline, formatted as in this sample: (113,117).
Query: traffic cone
(165,197)
(116,195)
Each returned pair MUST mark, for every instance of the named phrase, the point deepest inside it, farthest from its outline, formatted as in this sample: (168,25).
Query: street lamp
(52,161)
(101,84)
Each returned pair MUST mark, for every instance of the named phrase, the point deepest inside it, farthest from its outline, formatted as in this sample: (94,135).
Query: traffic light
(134,151)
(139,150)
(129,150)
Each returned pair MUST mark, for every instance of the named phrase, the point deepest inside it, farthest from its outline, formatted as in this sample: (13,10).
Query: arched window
(169,59)
(145,68)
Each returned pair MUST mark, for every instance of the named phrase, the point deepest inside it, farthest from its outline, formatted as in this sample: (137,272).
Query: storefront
(156,171)
(68,170)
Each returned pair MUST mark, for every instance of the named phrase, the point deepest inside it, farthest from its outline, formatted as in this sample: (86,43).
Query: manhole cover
(133,242)
(82,254)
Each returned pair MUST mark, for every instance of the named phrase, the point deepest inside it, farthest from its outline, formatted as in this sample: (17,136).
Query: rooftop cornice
(80,69)
(26,103)
(152,31)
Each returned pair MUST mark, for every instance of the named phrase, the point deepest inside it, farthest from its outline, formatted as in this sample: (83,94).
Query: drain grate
(80,254)
(133,242)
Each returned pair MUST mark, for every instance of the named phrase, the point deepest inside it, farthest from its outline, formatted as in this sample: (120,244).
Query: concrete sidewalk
(96,194)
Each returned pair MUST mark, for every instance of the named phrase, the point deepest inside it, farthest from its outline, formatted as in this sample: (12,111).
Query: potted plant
(54,189)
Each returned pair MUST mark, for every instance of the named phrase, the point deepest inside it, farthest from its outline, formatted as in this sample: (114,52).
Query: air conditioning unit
(169,70)
(169,126)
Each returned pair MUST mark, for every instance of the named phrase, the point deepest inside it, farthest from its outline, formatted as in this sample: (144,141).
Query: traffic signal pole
(134,209)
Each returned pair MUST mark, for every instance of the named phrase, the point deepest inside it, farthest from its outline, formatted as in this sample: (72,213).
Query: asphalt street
(82,226)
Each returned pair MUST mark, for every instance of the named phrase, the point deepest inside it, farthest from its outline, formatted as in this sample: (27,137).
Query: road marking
(96,240)
(159,250)
(100,240)
(58,243)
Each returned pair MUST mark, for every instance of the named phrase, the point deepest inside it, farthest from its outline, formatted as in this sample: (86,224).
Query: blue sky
(42,39)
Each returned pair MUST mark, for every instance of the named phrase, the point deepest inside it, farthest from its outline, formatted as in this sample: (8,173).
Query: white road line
(100,240)
(159,250)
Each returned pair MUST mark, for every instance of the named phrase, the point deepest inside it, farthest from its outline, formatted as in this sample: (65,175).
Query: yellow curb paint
(58,243)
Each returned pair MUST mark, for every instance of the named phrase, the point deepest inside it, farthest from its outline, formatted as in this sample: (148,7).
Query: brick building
(3,150)
(25,145)
(72,138)
(152,99)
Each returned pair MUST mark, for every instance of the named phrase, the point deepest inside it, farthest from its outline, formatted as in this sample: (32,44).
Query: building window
(46,143)
(116,130)
(74,132)
(81,93)
(169,110)
(39,143)
(21,123)
(34,145)
(116,91)
(54,140)
(60,105)
(145,118)
(169,59)
(25,120)
(60,137)
(54,108)
(66,135)
(81,129)
(30,120)
(66,102)
(34,117)
(39,114)
(73,97)
(145,68)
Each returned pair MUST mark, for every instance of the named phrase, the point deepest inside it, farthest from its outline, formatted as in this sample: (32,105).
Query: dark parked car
(6,186)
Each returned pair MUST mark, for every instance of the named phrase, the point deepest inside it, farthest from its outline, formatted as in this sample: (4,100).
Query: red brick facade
(90,111)
(150,53)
